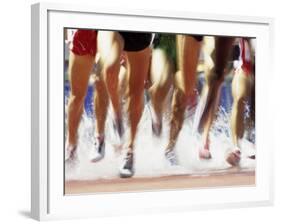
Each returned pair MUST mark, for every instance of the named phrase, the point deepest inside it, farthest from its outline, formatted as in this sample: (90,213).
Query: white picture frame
(48,200)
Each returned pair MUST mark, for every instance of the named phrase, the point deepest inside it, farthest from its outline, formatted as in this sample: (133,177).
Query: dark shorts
(198,37)
(84,42)
(136,41)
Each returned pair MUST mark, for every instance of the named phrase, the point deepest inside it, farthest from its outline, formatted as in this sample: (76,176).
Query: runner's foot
(71,153)
(234,157)
(98,152)
(127,168)
(204,153)
(171,157)
(204,150)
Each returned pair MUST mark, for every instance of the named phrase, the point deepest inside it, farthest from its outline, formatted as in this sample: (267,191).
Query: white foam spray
(149,150)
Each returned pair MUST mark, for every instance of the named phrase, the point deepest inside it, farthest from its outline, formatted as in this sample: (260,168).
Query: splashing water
(149,151)
(198,114)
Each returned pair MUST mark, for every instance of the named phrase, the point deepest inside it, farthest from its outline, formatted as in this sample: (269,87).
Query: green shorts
(167,42)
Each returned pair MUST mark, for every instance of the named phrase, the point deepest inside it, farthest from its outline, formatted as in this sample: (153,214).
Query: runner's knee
(77,99)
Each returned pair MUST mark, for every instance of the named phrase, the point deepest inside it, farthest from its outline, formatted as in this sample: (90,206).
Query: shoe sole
(123,175)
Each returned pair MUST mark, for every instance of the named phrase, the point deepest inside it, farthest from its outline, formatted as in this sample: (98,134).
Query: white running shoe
(127,168)
(71,157)
(98,152)
(71,153)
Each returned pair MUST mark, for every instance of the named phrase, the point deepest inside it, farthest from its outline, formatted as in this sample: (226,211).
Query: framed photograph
(148,111)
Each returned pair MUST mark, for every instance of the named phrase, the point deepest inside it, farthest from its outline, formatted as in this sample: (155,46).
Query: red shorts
(246,56)
(84,42)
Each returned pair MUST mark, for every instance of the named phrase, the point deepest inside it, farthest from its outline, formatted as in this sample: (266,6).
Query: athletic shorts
(136,41)
(242,56)
(198,37)
(167,42)
(84,42)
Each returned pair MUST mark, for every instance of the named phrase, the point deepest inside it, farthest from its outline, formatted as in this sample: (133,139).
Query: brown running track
(226,178)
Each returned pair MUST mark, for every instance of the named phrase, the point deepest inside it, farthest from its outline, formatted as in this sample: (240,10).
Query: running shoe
(234,157)
(98,152)
(252,157)
(127,168)
(71,153)
(171,157)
